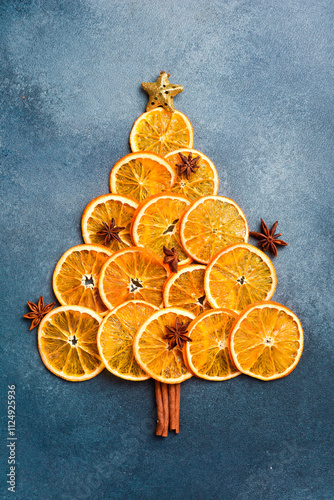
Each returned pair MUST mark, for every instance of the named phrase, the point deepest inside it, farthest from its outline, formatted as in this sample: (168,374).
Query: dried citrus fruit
(208,352)
(161,131)
(75,279)
(132,273)
(238,276)
(210,224)
(153,351)
(196,175)
(186,289)
(156,224)
(115,338)
(267,341)
(67,343)
(138,175)
(106,221)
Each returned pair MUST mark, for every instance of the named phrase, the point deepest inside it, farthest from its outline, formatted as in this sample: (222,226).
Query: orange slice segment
(238,276)
(156,224)
(267,341)
(132,273)
(138,175)
(202,182)
(75,279)
(210,224)
(152,349)
(115,338)
(186,289)
(208,353)
(161,131)
(67,343)
(102,211)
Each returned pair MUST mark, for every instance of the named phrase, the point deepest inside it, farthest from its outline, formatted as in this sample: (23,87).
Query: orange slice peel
(186,289)
(156,224)
(238,276)
(161,131)
(115,338)
(67,343)
(266,341)
(211,224)
(75,278)
(142,174)
(101,211)
(208,354)
(132,274)
(203,182)
(152,351)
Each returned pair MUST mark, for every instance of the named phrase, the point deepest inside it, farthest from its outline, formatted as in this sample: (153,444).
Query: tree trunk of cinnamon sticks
(168,407)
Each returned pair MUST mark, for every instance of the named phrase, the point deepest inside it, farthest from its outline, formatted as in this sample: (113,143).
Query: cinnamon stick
(164,390)
(172,406)
(160,411)
(177,407)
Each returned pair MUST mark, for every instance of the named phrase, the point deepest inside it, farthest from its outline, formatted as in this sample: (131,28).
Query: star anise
(110,232)
(188,165)
(38,311)
(177,334)
(268,239)
(171,258)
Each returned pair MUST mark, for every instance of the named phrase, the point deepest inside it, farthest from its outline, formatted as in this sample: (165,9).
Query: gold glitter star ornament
(161,92)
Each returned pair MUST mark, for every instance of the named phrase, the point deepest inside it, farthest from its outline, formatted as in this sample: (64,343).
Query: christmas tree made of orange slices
(166,285)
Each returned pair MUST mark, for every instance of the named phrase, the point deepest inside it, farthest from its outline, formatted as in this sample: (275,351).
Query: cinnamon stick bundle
(168,407)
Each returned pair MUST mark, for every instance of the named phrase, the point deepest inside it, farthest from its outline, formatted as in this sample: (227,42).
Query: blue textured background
(259,93)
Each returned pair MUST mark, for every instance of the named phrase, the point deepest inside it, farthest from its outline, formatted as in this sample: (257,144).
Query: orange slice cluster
(122,302)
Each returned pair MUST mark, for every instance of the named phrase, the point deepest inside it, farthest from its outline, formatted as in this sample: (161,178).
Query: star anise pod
(188,165)
(177,334)
(268,239)
(38,311)
(171,258)
(110,232)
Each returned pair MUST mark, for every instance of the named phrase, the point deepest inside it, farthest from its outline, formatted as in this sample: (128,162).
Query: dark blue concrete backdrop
(259,92)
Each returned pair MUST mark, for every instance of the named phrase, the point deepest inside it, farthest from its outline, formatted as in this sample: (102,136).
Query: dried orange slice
(75,279)
(132,273)
(138,175)
(67,343)
(156,224)
(210,224)
(267,341)
(186,289)
(238,276)
(161,131)
(115,338)
(152,350)
(203,181)
(103,214)
(208,352)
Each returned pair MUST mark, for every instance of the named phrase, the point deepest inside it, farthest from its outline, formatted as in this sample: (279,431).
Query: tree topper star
(161,92)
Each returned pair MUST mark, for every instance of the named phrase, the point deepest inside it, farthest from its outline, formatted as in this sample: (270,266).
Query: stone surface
(259,92)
